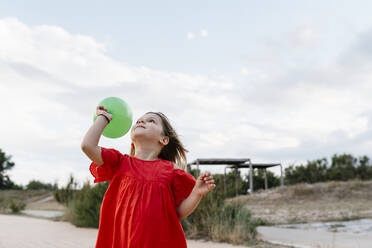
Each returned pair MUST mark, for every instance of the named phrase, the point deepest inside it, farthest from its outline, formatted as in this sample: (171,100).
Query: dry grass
(34,199)
(27,195)
(312,202)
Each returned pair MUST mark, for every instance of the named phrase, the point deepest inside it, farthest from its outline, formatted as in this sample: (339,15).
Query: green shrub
(342,167)
(231,223)
(65,194)
(218,221)
(3,204)
(16,206)
(84,208)
(237,222)
(36,185)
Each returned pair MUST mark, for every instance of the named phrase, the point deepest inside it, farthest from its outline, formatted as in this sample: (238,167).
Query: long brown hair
(174,151)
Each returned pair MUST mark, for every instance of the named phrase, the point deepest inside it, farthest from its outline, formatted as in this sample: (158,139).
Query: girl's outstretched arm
(89,145)
(203,185)
(189,204)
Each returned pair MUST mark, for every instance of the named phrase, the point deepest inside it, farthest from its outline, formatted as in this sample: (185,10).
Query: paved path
(314,238)
(28,232)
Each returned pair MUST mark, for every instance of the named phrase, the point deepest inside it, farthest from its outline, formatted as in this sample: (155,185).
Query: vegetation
(218,217)
(237,185)
(84,207)
(213,219)
(66,194)
(219,221)
(325,201)
(342,168)
(17,196)
(16,206)
(6,164)
(7,184)
(36,185)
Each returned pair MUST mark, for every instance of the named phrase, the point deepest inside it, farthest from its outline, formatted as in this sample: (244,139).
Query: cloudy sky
(274,81)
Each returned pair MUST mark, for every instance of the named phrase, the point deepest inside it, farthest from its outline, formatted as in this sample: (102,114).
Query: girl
(149,190)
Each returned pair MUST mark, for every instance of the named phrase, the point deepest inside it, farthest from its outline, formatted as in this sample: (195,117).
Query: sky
(273,81)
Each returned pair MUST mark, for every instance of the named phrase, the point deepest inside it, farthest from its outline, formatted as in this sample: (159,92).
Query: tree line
(341,167)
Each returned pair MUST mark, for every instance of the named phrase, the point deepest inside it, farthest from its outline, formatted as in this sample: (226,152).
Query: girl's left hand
(204,183)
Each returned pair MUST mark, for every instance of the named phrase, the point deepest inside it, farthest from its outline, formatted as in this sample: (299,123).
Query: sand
(28,232)
(315,238)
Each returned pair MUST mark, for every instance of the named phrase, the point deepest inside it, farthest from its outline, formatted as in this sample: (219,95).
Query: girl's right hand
(103,110)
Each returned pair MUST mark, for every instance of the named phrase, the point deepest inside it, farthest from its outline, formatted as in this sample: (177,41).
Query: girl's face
(149,126)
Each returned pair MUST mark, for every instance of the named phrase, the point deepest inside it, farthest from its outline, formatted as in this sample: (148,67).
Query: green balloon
(121,117)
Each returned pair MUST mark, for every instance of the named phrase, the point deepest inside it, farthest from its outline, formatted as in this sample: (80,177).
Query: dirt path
(28,232)
(313,238)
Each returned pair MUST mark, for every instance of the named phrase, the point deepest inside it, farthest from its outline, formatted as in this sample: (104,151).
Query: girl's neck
(146,153)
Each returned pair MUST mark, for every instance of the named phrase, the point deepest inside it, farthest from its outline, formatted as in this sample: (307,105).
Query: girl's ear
(165,140)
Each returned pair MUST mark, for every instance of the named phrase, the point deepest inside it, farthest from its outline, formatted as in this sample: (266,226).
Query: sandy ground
(311,202)
(314,238)
(27,232)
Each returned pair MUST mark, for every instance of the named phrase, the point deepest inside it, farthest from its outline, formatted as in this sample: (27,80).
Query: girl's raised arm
(89,145)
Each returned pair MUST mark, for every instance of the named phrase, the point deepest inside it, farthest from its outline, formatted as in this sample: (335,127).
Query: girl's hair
(174,151)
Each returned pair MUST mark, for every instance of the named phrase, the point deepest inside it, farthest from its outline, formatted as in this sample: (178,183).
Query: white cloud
(306,35)
(323,106)
(72,58)
(51,81)
(204,33)
(190,36)
(244,71)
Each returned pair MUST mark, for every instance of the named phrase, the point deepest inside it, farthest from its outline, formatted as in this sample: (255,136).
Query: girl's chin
(138,135)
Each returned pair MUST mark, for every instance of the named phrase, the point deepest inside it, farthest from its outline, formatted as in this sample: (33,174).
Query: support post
(265,179)
(250,177)
(197,166)
(281,176)
(236,180)
(224,182)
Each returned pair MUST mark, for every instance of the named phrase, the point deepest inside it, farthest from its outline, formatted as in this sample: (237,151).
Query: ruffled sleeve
(111,161)
(182,185)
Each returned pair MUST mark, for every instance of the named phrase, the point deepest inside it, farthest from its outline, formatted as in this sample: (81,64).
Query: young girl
(149,190)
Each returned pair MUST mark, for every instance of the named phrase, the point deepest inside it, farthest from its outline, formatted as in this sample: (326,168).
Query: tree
(313,172)
(36,185)
(234,182)
(343,168)
(65,194)
(5,164)
(364,170)
(259,180)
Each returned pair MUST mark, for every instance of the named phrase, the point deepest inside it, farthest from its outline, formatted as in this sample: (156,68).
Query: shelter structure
(238,163)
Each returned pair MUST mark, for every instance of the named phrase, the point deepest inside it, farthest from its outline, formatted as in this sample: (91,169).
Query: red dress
(139,207)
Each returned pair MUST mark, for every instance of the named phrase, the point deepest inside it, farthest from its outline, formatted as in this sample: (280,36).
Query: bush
(238,225)
(214,220)
(36,185)
(3,204)
(16,206)
(231,223)
(259,180)
(84,208)
(65,195)
(342,167)
(235,185)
